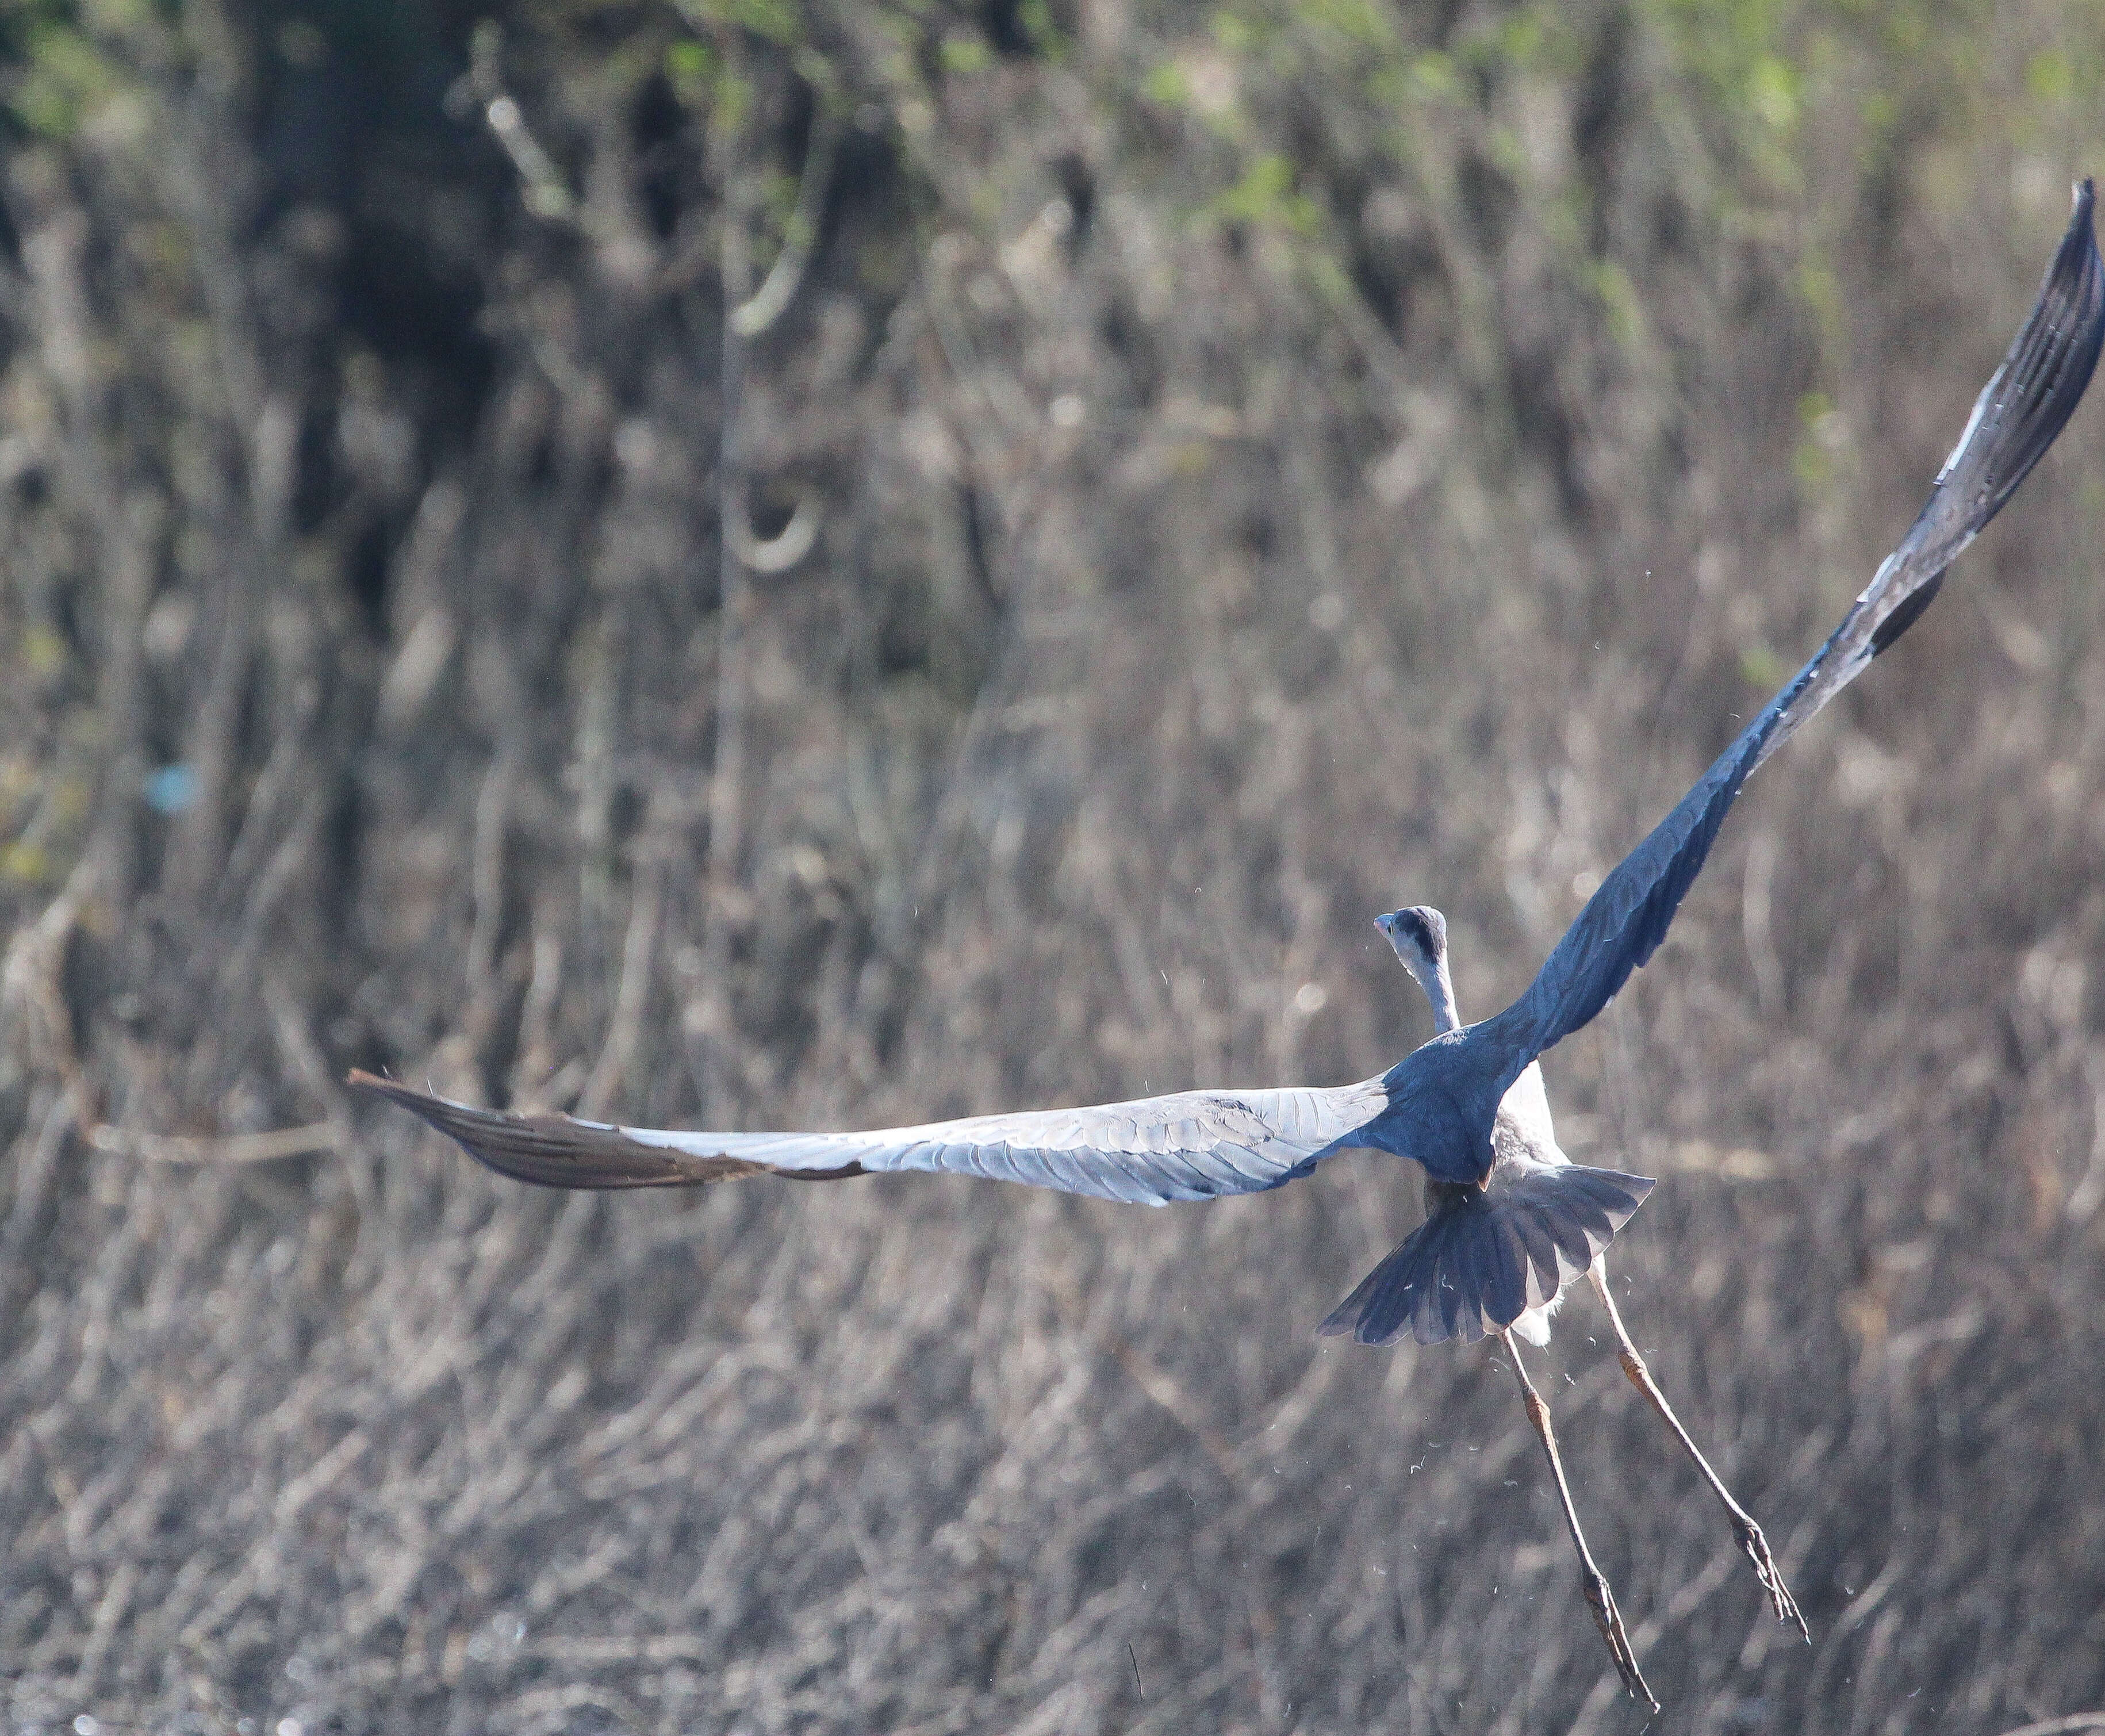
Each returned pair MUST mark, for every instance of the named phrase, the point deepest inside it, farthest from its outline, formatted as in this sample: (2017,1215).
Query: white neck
(1440,991)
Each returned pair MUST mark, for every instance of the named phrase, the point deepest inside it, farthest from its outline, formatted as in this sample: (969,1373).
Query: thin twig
(231,1148)
(727,772)
(617,1060)
(542,188)
(800,240)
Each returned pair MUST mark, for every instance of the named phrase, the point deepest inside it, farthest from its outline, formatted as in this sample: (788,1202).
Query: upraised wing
(2024,406)
(1193,1145)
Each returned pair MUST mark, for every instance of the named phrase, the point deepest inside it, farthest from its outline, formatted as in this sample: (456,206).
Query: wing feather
(1190,1145)
(2024,406)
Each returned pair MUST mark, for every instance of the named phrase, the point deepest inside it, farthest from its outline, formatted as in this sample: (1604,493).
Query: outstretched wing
(2020,410)
(1193,1145)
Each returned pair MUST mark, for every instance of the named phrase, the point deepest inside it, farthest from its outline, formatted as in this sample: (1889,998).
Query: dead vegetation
(1197,480)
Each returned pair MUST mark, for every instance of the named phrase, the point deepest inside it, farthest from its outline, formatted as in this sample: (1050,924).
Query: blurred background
(799,563)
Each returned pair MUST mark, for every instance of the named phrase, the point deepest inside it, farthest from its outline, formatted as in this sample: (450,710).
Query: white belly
(1524,1137)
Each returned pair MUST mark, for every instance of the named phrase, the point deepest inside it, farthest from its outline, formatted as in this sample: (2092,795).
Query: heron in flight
(1510,1221)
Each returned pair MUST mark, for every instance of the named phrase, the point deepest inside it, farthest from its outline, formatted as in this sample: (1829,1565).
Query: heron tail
(1481,1258)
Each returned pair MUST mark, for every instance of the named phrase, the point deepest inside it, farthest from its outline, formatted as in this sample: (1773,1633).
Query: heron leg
(1599,1599)
(1745,1530)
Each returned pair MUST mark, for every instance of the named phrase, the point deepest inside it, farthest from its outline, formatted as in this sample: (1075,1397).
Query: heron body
(1495,1252)
(1510,1222)
(1524,1154)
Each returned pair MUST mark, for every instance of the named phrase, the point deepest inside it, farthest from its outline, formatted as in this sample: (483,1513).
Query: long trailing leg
(1599,1599)
(1745,1530)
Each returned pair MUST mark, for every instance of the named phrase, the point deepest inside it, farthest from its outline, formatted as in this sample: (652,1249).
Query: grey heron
(1510,1223)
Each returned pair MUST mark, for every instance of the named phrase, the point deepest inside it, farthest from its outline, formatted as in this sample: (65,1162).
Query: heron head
(1420,936)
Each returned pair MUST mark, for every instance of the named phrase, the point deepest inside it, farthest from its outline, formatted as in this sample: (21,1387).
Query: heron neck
(1441,992)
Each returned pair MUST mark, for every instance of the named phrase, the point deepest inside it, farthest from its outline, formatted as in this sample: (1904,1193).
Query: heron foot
(1756,1548)
(1602,1601)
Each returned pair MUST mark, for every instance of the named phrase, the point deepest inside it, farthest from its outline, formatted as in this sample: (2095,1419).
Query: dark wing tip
(2019,413)
(551,1151)
(2049,365)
